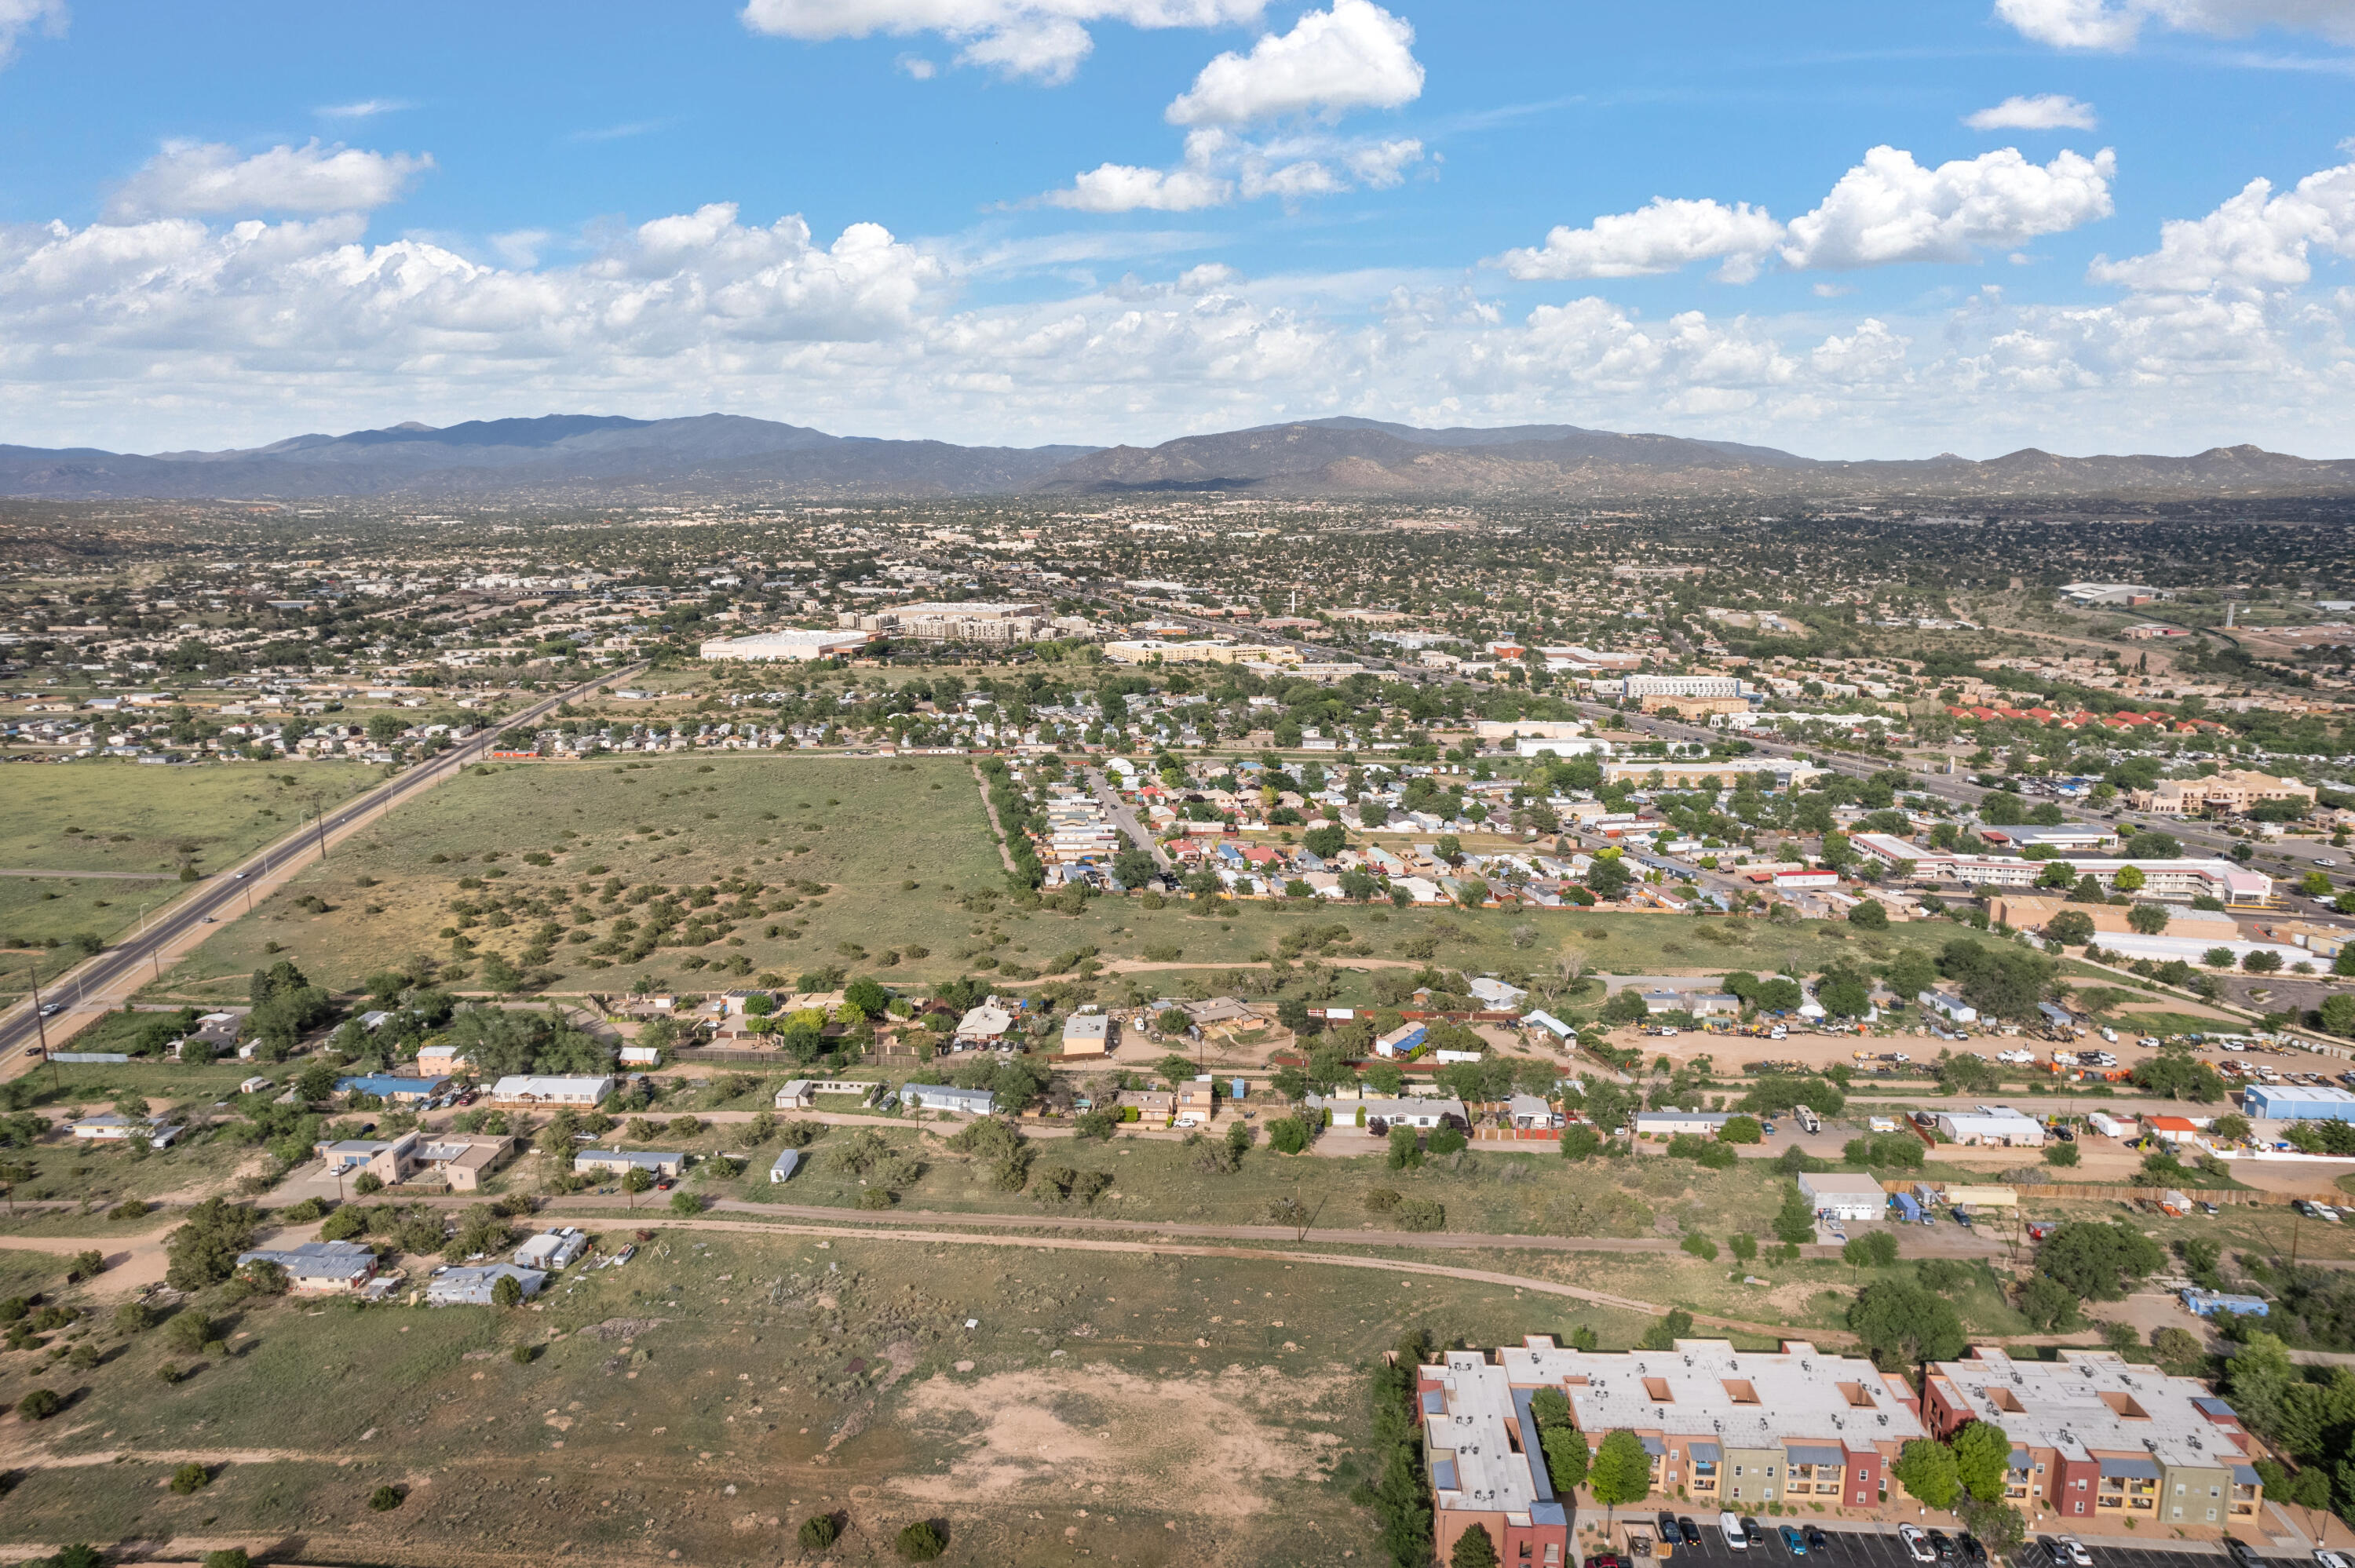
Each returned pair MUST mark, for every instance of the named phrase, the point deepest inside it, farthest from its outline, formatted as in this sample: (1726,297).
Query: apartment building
(2096,1437)
(1680,686)
(976,622)
(1732,1429)
(2233,793)
(1771,772)
(790,645)
(2238,886)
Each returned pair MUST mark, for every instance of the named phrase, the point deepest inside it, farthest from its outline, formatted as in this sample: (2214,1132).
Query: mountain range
(598,459)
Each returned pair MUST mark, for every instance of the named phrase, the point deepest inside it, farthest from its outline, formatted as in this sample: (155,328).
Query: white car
(1728,1525)
(2331,1560)
(2074,1551)
(1917,1543)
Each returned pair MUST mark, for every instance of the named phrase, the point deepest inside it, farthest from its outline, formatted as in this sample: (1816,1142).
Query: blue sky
(1849,229)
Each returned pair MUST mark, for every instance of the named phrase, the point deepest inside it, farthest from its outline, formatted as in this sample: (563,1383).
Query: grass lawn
(101,1176)
(1196,1409)
(901,845)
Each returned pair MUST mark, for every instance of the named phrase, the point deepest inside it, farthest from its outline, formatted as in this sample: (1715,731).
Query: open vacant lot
(120,816)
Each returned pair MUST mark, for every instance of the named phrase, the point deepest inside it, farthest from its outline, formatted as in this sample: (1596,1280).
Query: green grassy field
(902,847)
(1166,1411)
(120,816)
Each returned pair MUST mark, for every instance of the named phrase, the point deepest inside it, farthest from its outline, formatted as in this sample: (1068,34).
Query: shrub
(1421,1214)
(39,1405)
(227,1557)
(524,1355)
(818,1533)
(876,1198)
(1701,1246)
(920,1542)
(1382,1200)
(129,1209)
(1447,1141)
(191,1477)
(2064,1155)
(384,1499)
(685,1203)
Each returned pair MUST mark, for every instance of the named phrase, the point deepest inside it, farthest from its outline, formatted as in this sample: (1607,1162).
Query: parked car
(1753,1532)
(2072,1552)
(1973,1552)
(1793,1542)
(1917,1543)
(1942,1545)
(1728,1525)
(1816,1539)
(2330,1560)
(1668,1524)
(2242,1554)
(1687,1531)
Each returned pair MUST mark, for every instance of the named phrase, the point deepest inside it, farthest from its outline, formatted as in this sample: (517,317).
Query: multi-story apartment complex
(1732,1429)
(2165,880)
(1682,686)
(976,622)
(2096,1437)
(1771,772)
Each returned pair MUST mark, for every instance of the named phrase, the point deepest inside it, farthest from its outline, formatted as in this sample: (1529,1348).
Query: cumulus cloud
(2044,111)
(1890,208)
(1660,237)
(1045,39)
(2256,240)
(1123,187)
(1219,166)
(18,17)
(1354,56)
(211,177)
(2114,24)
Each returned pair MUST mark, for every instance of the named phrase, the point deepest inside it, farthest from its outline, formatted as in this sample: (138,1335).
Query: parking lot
(1877,1546)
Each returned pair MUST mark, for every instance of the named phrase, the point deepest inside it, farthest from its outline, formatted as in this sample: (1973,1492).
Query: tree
(2064,1155)
(506,1291)
(1982,1457)
(1870,914)
(1999,1526)
(203,1250)
(1473,1549)
(686,1205)
(39,1405)
(2098,1260)
(1625,1007)
(2069,928)
(190,1478)
(920,1542)
(1925,1467)
(1620,1472)
(1903,1323)
(227,1557)
(1741,1129)
(1844,993)
(1566,1453)
(1872,1249)
(2149,919)
(2338,1012)
(2050,1307)
(818,1533)
(1794,1221)
(1406,1148)
(1608,877)
(384,1499)
(634,1181)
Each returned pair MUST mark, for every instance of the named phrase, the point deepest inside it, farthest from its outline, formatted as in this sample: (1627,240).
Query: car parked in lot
(2072,1552)
(2331,1560)
(1687,1531)
(1753,1532)
(1728,1525)
(2242,1554)
(1942,1546)
(1793,1542)
(1917,1543)
(1816,1539)
(1973,1554)
(1668,1524)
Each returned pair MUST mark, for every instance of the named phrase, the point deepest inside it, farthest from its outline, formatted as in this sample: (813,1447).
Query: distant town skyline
(1844,229)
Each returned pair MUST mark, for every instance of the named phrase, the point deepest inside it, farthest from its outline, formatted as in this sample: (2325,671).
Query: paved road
(103,875)
(223,896)
(1124,817)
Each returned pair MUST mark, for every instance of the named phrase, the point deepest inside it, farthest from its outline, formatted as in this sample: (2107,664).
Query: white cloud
(1354,56)
(366,109)
(1890,209)
(209,178)
(918,67)
(1123,187)
(1046,40)
(2256,240)
(1660,237)
(2044,111)
(2116,24)
(1219,166)
(18,17)
(520,248)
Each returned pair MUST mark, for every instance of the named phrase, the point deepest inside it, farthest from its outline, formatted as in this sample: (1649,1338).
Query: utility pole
(319,820)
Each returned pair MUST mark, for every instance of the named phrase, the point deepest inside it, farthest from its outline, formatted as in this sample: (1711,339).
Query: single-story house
(788,1161)
(319,1265)
(1670,1122)
(392,1090)
(619,1161)
(522,1091)
(1437,1111)
(1087,1034)
(108,1128)
(1150,1105)
(1496,994)
(1401,1039)
(1532,1111)
(1953,1008)
(1711,1003)
(641,1056)
(1842,1197)
(984,1025)
(463,1160)
(552,1250)
(389,1161)
(2217,1303)
(944,1097)
(473,1287)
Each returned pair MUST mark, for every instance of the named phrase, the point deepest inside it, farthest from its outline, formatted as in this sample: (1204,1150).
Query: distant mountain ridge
(598,457)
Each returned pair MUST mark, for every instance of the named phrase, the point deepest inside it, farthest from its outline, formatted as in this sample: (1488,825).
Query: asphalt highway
(219,897)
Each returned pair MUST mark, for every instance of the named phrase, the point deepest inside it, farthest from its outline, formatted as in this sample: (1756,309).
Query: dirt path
(133,1263)
(1377,1264)
(996,828)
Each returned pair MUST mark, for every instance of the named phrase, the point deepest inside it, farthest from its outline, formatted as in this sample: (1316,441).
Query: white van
(1728,1525)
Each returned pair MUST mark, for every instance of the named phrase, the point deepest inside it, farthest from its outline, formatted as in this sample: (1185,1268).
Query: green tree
(2069,928)
(1902,1324)
(2064,1155)
(203,1250)
(1872,1249)
(1473,1549)
(1406,1149)
(1566,1453)
(1925,1467)
(920,1542)
(506,1291)
(1620,1472)
(2050,1307)
(2149,919)
(1982,1457)
(686,1205)
(637,1179)
(39,1405)
(2098,1260)
(818,1533)
(227,1557)
(1794,1221)
(190,1477)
